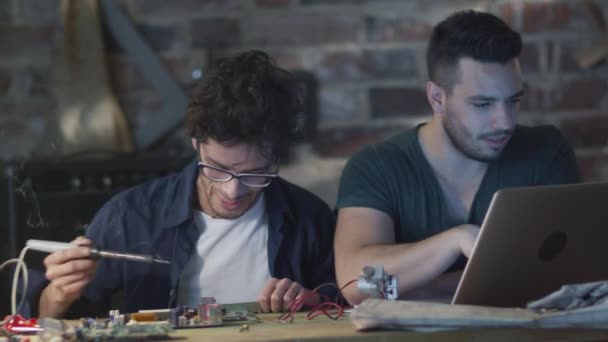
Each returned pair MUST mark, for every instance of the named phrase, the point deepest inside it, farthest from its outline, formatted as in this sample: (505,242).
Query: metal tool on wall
(174,98)
(597,52)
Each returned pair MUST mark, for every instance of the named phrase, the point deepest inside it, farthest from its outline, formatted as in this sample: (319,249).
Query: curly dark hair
(477,35)
(246,98)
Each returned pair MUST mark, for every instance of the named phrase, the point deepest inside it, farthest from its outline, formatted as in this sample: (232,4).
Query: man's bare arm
(365,236)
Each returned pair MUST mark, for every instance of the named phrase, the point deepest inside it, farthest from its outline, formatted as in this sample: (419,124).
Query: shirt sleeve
(363,183)
(103,231)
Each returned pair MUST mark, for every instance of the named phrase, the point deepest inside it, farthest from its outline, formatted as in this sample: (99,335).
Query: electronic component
(54,246)
(127,332)
(103,329)
(143,317)
(376,283)
(208,313)
(18,325)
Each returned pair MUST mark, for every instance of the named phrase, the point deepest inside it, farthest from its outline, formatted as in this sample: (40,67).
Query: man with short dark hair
(230,226)
(414,203)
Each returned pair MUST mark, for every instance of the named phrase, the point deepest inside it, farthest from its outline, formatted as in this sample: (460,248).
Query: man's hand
(467,235)
(68,271)
(278,294)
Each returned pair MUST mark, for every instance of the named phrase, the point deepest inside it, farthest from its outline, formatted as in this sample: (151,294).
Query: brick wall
(367,55)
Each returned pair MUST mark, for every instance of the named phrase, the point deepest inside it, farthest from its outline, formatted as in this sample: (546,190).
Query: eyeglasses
(253,180)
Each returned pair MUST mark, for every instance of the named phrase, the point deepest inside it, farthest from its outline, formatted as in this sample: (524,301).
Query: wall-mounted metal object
(175,100)
(597,52)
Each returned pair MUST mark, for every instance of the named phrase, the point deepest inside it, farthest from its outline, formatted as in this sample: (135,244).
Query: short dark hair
(477,35)
(246,98)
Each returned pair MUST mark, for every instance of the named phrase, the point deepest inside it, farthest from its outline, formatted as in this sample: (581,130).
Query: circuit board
(133,332)
(102,330)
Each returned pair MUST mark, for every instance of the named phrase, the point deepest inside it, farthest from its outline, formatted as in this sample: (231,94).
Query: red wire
(343,287)
(320,309)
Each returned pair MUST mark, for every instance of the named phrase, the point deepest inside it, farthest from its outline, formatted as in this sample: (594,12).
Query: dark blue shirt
(157,218)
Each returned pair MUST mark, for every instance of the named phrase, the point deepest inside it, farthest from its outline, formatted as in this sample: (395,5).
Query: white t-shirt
(230,261)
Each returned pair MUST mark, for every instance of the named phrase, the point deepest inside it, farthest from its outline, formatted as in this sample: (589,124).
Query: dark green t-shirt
(395,177)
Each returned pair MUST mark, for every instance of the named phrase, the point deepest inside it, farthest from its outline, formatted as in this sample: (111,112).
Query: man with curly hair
(230,226)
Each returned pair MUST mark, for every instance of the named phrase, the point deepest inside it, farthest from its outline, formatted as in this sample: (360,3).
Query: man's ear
(437,97)
(195,144)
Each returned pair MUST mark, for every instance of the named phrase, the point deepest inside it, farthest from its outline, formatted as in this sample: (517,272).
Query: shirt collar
(277,200)
(179,198)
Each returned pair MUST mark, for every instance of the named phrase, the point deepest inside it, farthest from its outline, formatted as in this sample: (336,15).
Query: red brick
(287,60)
(341,104)
(302,29)
(551,51)
(7,108)
(568,61)
(593,167)
(546,16)
(336,2)
(507,13)
(6,12)
(344,142)
(33,106)
(341,66)
(370,64)
(587,131)
(12,128)
(380,29)
(391,63)
(37,106)
(529,58)
(37,12)
(532,100)
(19,42)
(39,83)
(215,33)
(183,7)
(579,94)
(5,82)
(273,3)
(397,102)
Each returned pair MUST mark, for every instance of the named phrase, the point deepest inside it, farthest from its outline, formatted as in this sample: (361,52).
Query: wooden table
(324,329)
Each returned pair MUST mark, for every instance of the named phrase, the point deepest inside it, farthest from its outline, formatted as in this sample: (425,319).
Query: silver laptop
(534,240)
